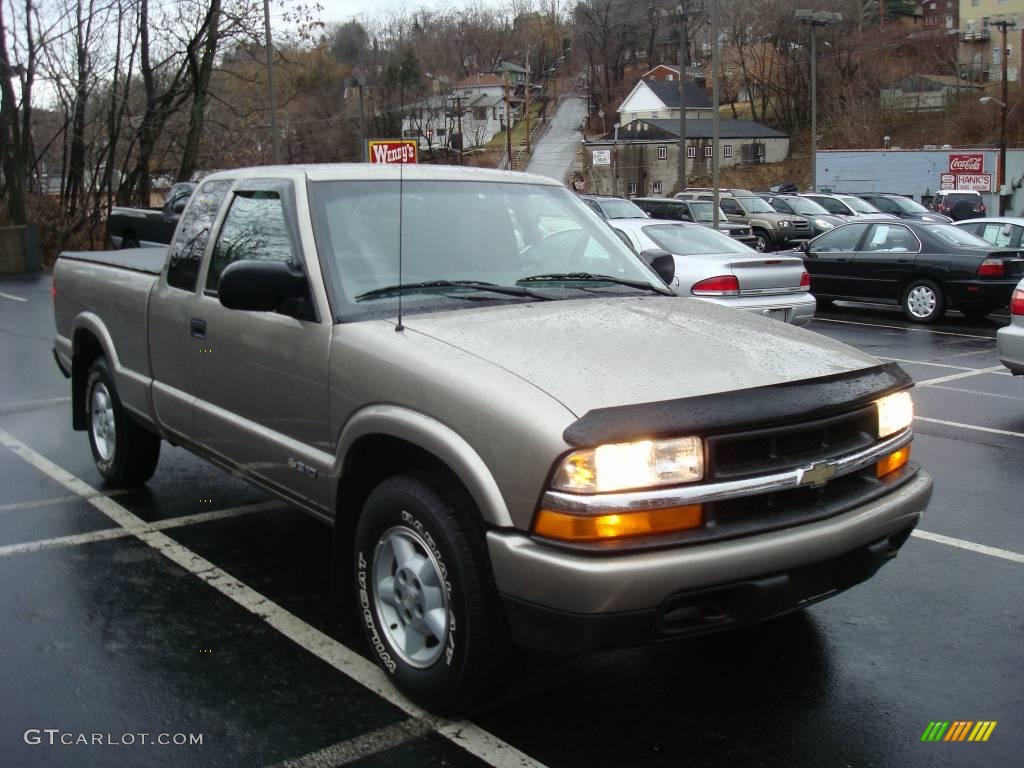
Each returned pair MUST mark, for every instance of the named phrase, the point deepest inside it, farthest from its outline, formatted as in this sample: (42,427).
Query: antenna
(401,175)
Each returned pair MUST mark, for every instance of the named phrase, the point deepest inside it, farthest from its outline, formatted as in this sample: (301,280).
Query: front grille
(802,225)
(776,449)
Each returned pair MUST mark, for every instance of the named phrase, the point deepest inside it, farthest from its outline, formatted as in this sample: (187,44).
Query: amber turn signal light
(893,461)
(582,528)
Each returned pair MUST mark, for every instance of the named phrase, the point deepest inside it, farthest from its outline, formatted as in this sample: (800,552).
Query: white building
(659,100)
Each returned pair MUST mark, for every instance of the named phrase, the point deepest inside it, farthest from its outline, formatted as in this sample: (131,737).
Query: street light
(1002,146)
(815,19)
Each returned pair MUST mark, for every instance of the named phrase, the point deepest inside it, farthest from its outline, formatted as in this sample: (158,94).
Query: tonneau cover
(149,260)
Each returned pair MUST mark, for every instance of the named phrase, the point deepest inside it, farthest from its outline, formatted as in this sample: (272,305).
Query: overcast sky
(343,10)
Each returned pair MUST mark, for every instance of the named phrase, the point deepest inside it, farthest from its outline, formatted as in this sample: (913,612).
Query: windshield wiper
(590,277)
(508,290)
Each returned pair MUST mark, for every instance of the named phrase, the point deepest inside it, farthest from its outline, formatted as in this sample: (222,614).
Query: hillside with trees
(104,101)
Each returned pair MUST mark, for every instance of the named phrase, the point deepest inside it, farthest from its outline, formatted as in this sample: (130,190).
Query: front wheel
(428,607)
(923,302)
(762,241)
(125,454)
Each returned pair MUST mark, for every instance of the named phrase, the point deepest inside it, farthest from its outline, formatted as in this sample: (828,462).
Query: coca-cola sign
(973,162)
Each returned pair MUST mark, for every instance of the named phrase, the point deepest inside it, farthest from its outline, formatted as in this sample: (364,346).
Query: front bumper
(1010,344)
(783,236)
(562,600)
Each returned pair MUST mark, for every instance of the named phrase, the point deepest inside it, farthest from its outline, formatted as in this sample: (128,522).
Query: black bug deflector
(740,409)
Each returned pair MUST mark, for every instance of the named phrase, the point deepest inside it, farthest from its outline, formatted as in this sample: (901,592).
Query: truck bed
(148,260)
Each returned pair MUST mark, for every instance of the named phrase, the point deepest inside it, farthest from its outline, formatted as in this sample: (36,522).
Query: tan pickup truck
(517,432)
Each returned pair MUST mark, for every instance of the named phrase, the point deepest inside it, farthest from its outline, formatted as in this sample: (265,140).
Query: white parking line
(55,501)
(968,426)
(362,746)
(970,546)
(470,737)
(975,392)
(904,328)
(12,298)
(116,533)
(25,405)
(961,375)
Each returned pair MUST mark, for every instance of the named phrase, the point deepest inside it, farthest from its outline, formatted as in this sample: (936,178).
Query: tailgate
(759,273)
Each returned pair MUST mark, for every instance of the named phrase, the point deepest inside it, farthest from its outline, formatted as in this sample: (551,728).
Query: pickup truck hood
(600,353)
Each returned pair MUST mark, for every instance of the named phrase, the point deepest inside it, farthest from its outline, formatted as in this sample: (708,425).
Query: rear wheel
(923,302)
(125,453)
(429,609)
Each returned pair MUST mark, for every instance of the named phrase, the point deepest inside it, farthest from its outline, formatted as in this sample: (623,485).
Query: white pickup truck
(519,434)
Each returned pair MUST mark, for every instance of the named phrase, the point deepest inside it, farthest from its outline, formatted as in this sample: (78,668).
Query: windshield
(806,207)
(756,205)
(621,209)
(693,241)
(468,231)
(703,211)
(947,233)
(859,205)
(907,205)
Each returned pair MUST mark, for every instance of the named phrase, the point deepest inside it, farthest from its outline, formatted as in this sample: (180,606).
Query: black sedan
(925,268)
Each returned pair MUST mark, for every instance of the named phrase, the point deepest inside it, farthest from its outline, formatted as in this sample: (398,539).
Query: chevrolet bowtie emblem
(817,475)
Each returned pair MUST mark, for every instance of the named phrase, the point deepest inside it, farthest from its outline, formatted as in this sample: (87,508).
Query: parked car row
(846,249)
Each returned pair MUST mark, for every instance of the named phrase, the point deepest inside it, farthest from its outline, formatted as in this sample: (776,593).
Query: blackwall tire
(425,594)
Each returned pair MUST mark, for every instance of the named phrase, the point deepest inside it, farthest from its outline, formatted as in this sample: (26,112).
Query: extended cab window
(189,244)
(254,228)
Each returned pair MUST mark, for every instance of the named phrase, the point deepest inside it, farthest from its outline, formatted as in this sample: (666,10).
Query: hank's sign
(389,151)
(969,163)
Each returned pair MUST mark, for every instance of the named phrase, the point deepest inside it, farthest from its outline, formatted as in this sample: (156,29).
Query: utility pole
(527,99)
(684,47)
(274,139)
(508,123)
(815,19)
(715,116)
(458,117)
(1004,105)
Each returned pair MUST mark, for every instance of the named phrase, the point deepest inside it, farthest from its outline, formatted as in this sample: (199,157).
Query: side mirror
(179,206)
(662,262)
(265,286)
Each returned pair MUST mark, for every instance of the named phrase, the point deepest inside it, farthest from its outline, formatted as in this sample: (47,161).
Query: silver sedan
(1010,340)
(717,268)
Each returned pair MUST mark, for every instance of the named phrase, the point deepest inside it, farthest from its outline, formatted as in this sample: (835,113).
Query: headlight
(822,224)
(784,223)
(895,413)
(642,464)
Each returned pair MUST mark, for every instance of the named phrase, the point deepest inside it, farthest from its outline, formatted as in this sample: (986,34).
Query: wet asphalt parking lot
(198,607)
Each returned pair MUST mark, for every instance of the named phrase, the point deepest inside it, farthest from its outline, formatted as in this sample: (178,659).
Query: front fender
(437,439)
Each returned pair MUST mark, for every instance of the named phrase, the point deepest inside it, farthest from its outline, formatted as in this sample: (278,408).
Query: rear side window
(255,228)
(193,231)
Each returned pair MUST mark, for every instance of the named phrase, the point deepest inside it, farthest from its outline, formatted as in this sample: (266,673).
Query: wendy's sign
(388,151)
